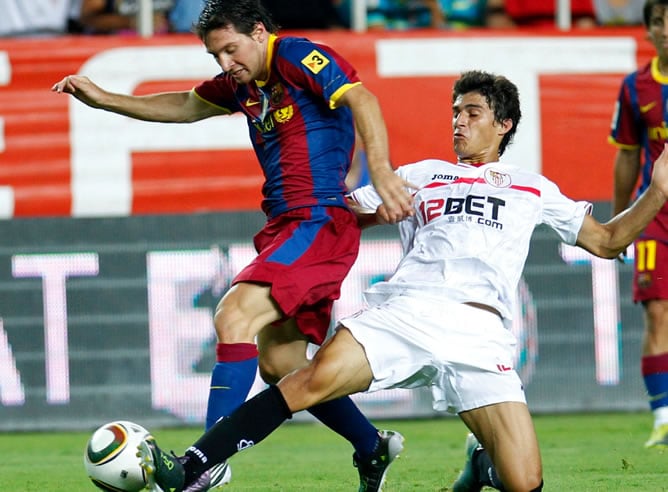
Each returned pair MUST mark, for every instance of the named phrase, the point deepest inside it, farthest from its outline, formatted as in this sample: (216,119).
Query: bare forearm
(629,224)
(176,107)
(371,127)
(609,239)
(375,140)
(165,107)
(612,238)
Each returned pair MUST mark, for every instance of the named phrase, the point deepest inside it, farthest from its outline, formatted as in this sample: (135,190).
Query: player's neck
(477,161)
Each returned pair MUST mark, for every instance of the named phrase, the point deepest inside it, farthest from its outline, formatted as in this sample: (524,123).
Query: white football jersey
(470,236)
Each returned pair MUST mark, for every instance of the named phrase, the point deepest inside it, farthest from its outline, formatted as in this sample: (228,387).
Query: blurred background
(117,237)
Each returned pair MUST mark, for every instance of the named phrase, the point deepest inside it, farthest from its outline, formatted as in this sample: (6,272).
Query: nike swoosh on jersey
(647,107)
(250,102)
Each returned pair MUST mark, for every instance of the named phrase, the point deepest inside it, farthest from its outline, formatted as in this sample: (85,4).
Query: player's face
(658,30)
(243,56)
(476,136)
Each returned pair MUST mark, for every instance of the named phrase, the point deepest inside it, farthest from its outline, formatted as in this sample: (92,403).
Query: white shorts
(464,353)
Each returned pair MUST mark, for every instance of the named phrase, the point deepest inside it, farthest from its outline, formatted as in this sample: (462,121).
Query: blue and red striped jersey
(640,120)
(303,145)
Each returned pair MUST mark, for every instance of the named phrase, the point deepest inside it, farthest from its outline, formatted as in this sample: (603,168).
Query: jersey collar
(270,55)
(656,73)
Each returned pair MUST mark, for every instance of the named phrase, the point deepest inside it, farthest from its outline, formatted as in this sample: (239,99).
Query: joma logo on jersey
(446,177)
(485,208)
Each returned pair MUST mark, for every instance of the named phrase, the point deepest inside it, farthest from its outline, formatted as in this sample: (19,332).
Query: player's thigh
(506,431)
(243,311)
(343,364)
(657,312)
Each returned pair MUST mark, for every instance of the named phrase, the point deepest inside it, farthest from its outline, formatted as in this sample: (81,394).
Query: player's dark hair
(243,15)
(649,6)
(501,95)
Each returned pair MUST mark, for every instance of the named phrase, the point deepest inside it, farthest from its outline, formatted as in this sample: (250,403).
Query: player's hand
(397,201)
(381,215)
(80,87)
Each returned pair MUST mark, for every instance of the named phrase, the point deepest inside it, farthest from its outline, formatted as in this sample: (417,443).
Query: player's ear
(259,33)
(505,126)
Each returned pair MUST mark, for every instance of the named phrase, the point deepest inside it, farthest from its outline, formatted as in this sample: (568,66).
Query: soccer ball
(111,458)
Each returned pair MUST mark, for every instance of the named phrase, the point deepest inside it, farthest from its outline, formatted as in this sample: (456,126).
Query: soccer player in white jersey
(441,320)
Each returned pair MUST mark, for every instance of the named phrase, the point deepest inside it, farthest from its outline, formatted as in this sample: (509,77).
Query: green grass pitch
(592,452)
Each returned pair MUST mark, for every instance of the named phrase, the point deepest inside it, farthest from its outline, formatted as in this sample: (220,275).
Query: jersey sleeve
(563,215)
(407,229)
(316,68)
(626,122)
(367,197)
(218,92)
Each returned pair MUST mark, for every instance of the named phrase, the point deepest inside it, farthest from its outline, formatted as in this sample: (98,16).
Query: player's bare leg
(507,434)
(338,369)
(341,368)
(283,349)
(244,310)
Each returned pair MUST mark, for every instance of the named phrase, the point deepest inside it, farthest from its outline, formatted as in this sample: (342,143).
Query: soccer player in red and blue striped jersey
(303,103)
(302,139)
(639,130)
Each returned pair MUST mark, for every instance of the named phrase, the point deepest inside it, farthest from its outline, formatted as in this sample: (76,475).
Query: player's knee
(225,332)
(533,482)
(302,388)
(528,481)
(231,323)
(272,371)
(279,360)
(268,372)
(539,488)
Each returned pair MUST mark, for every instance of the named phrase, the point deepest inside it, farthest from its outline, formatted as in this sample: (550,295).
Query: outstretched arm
(610,239)
(166,107)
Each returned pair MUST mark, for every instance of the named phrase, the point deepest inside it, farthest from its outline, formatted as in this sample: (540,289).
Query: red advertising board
(61,158)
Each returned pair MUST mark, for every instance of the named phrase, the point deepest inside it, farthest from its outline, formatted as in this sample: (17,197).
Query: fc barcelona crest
(284,115)
(276,95)
(644,280)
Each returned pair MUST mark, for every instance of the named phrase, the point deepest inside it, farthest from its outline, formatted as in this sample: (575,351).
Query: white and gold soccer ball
(110,457)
